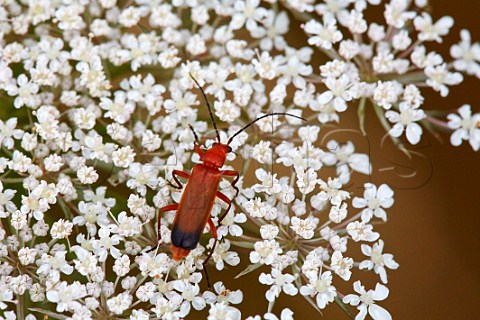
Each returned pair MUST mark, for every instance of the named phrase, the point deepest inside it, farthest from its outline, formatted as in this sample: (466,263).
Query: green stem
(361,115)
(20,307)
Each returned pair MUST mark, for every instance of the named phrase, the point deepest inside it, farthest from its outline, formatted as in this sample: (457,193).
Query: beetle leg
(170,207)
(179,173)
(232,173)
(213,229)
(227,201)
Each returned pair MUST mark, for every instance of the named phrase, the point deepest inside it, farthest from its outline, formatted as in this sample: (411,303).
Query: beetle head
(215,156)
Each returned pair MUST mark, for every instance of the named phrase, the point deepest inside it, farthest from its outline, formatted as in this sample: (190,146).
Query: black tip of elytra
(185,240)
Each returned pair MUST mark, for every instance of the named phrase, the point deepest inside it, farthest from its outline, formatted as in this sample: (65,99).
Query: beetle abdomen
(185,239)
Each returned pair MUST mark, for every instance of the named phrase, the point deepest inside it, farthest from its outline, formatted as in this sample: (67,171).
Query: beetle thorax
(215,156)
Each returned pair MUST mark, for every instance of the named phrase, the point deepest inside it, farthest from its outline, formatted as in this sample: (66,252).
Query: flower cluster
(99,106)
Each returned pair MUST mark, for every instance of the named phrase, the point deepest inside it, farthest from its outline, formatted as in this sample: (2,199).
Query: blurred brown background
(434,227)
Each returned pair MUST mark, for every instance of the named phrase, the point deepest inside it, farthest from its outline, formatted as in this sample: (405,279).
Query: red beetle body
(196,203)
(193,211)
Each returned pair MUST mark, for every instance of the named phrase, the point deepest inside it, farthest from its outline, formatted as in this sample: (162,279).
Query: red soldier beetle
(193,210)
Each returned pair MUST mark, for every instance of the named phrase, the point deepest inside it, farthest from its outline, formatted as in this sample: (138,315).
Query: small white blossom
(466,127)
(341,265)
(365,301)
(320,285)
(279,282)
(379,261)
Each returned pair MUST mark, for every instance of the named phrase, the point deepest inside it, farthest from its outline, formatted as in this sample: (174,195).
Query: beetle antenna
(260,118)
(194,134)
(208,105)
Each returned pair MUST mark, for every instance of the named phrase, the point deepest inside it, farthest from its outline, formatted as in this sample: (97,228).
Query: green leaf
(344,307)
(54,315)
(249,269)
(361,115)
(242,244)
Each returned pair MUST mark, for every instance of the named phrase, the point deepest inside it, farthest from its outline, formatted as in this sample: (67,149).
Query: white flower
(6,203)
(439,77)
(26,256)
(247,12)
(90,215)
(120,303)
(122,265)
(230,224)
(306,180)
(365,302)
(360,231)
(383,62)
(396,14)
(303,227)
(127,226)
(222,255)
(139,315)
(86,262)
(196,45)
(226,110)
(331,192)
(269,184)
(190,293)
(142,176)
(87,175)
(265,252)
(341,265)
(222,311)
(84,118)
(169,308)
(323,35)
(53,163)
(279,282)
(124,157)
(269,231)
(106,244)
(8,132)
(223,295)
(338,213)
(69,17)
(52,265)
(129,17)
(401,41)
(467,127)
(340,92)
(271,31)
(406,118)
(286,314)
(25,92)
(154,266)
(61,229)
(19,220)
(119,109)
(345,158)
(320,285)
(265,65)
(6,295)
(386,93)
(65,295)
(378,261)
(374,201)
(466,55)
(430,31)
